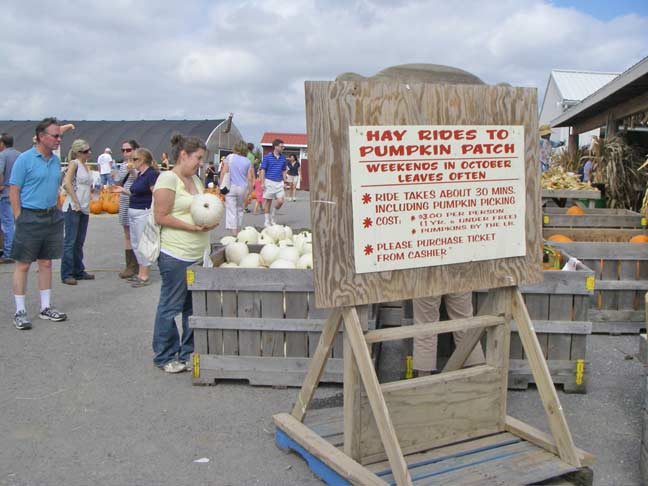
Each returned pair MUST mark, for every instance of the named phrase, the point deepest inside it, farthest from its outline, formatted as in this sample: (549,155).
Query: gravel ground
(83,404)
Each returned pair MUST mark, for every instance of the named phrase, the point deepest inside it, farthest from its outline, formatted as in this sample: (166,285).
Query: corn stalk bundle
(570,159)
(616,164)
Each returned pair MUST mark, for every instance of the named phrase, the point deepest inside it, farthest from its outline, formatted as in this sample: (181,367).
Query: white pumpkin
(226,240)
(298,242)
(265,240)
(248,235)
(282,264)
(277,232)
(206,210)
(289,232)
(307,249)
(289,253)
(265,234)
(305,261)
(284,243)
(234,252)
(251,260)
(269,253)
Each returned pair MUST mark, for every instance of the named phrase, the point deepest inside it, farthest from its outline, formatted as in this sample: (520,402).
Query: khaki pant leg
(426,310)
(459,306)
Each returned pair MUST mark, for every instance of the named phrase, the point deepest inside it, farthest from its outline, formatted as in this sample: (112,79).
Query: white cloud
(129,59)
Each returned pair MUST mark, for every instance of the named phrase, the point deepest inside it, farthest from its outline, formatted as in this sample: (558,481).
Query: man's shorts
(38,235)
(273,189)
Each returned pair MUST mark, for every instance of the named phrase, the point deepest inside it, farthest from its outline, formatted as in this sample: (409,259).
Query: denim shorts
(38,235)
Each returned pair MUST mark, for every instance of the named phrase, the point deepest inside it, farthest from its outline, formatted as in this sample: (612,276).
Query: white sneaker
(267,224)
(175,366)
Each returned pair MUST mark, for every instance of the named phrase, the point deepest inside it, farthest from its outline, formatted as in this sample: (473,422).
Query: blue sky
(606,9)
(197,59)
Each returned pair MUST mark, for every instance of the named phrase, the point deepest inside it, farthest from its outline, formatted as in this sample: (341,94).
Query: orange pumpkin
(111,205)
(575,211)
(639,239)
(96,206)
(560,239)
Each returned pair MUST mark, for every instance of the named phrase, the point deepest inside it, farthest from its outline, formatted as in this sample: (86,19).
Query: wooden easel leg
(352,409)
(375,397)
(497,302)
(317,364)
(542,377)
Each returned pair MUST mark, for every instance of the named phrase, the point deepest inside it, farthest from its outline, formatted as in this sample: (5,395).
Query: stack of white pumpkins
(281,248)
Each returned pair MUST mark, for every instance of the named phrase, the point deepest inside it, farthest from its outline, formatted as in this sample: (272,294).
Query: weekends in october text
(435,195)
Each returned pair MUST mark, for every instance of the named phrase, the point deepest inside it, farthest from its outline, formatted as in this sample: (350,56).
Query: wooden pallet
(501,458)
(259,325)
(621,270)
(395,433)
(556,218)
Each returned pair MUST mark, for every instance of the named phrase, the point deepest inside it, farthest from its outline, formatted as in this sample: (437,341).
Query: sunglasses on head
(127,150)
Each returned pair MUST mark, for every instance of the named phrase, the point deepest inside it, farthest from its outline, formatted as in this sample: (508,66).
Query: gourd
(206,210)
(269,253)
(234,252)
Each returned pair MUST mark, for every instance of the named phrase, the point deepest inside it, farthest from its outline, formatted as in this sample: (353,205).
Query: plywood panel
(331,108)
(272,342)
(435,410)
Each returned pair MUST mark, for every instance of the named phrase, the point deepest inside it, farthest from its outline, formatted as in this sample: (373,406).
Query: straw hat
(544,130)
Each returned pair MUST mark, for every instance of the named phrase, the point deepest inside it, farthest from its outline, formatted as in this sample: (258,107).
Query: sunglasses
(127,150)
(85,151)
(57,136)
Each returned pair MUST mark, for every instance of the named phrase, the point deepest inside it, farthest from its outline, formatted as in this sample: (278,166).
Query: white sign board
(436,195)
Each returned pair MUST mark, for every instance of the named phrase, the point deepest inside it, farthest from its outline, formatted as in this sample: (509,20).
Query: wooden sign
(334,110)
(436,195)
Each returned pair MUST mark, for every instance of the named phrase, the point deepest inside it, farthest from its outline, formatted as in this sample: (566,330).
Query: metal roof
(631,83)
(152,134)
(578,85)
(289,139)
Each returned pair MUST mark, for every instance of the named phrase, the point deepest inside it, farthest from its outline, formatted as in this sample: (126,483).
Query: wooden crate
(568,194)
(621,271)
(593,218)
(259,325)
(559,308)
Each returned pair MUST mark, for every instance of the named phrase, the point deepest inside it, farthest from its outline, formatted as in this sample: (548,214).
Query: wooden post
(352,389)
(376,398)
(542,377)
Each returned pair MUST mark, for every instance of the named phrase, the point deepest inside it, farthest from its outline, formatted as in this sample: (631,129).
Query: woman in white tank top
(76,211)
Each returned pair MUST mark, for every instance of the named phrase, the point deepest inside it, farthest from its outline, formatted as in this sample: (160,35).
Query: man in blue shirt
(8,156)
(35,180)
(272,174)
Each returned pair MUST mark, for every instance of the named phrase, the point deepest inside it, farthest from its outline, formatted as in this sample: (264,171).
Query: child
(258,192)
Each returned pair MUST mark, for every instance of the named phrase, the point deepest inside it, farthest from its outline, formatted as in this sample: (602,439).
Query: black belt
(41,211)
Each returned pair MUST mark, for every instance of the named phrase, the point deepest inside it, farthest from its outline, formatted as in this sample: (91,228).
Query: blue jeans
(76,228)
(106,179)
(174,298)
(7,222)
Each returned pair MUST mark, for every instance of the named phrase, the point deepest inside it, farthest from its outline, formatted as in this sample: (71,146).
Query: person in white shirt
(105,163)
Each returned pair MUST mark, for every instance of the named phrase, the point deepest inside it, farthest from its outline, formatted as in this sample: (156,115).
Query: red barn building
(295,143)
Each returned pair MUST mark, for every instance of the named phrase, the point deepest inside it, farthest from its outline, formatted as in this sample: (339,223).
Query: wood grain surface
(331,107)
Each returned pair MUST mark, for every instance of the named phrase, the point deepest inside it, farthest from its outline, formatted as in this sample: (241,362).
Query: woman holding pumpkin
(182,243)
(139,208)
(76,211)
